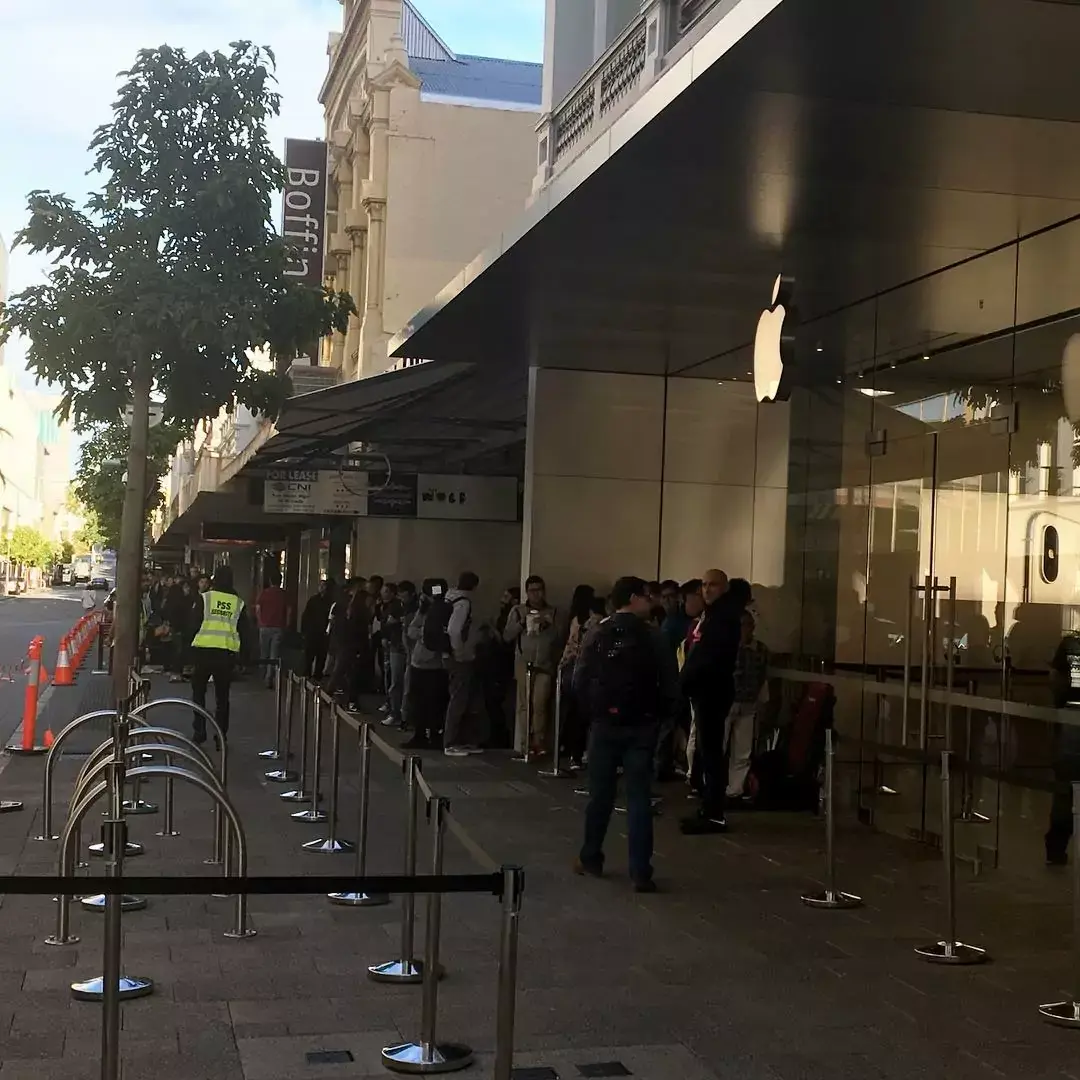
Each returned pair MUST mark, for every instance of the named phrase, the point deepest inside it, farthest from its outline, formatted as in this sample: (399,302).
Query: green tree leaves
(30,547)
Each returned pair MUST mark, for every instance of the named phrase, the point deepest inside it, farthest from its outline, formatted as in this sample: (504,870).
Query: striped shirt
(751,670)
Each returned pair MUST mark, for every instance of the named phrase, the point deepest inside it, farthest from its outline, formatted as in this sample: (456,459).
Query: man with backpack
(627,683)
(448,629)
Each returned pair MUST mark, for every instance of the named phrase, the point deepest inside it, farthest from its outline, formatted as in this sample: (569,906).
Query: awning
(428,417)
(853,147)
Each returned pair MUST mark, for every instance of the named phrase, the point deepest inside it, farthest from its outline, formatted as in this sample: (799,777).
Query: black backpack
(624,688)
(436,637)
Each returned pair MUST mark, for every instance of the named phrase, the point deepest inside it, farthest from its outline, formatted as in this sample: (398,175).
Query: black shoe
(645,885)
(588,869)
(1057,858)
(198,737)
(416,743)
(703,826)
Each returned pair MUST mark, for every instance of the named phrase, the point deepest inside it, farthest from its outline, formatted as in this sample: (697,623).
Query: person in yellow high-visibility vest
(220,633)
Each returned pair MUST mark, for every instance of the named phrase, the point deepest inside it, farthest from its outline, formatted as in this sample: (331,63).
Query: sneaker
(703,826)
(645,885)
(474,749)
(456,751)
(384,708)
(583,869)
(388,721)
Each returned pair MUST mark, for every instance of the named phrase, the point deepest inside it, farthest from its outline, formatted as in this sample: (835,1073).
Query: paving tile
(284,1058)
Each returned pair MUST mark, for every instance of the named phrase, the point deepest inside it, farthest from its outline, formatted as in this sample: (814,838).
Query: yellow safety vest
(221,622)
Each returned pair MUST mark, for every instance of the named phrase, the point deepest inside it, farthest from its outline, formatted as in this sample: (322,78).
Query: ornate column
(356,231)
(374,204)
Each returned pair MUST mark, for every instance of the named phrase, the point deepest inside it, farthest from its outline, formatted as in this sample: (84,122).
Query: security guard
(220,631)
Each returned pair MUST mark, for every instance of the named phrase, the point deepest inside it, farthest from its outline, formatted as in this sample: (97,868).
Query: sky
(59,59)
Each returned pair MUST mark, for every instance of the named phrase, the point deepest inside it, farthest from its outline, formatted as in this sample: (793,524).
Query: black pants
(711,715)
(429,695)
(575,720)
(1066,770)
(219,665)
(315,656)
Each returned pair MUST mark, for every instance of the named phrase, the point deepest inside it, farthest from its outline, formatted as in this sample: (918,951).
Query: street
(51,614)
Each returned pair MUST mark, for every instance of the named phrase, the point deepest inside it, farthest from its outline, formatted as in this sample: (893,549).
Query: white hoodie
(463,647)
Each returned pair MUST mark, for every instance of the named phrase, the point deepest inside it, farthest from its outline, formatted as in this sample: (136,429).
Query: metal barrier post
(313,814)
(513,888)
(274,753)
(100,668)
(831,897)
(968,814)
(407,969)
(428,1055)
(285,775)
(363,795)
(300,793)
(556,771)
(1067,1013)
(949,951)
(332,845)
(530,687)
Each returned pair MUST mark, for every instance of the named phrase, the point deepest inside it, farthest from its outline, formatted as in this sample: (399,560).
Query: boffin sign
(303,219)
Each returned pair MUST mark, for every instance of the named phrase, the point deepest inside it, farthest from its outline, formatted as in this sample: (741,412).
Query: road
(51,614)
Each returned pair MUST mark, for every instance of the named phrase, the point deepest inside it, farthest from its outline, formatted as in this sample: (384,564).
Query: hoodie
(460,629)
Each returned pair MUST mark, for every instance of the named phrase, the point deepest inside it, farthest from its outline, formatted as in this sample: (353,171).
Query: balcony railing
(632,62)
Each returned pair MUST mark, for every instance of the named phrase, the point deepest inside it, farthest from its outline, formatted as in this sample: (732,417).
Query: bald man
(708,683)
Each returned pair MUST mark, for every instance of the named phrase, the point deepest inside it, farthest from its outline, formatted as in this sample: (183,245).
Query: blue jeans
(269,649)
(397,668)
(632,748)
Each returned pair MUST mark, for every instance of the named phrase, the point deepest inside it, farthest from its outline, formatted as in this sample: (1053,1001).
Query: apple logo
(772,346)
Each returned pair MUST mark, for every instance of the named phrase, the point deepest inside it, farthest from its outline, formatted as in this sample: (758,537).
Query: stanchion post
(513,889)
(406,969)
(300,793)
(274,753)
(427,1054)
(831,897)
(556,771)
(968,814)
(949,951)
(1067,1013)
(313,814)
(332,845)
(530,687)
(285,775)
(363,795)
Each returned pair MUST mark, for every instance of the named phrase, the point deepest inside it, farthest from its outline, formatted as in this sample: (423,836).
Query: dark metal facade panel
(421,41)
(482,78)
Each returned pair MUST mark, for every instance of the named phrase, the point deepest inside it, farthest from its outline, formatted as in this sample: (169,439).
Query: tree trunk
(129,558)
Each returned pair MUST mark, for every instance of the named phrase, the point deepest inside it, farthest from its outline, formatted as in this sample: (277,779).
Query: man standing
(313,626)
(220,634)
(708,683)
(273,615)
(460,736)
(535,629)
(627,683)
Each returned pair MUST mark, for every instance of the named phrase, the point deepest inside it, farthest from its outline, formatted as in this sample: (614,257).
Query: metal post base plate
(357,899)
(418,1058)
(951,952)
(94,989)
(9,806)
(240,935)
(556,774)
(833,900)
(71,939)
(23,750)
(397,971)
(282,776)
(130,851)
(139,806)
(971,817)
(171,832)
(329,847)
(299,795)
(309,816)
(127,903)
(270,755)
(1062,1013)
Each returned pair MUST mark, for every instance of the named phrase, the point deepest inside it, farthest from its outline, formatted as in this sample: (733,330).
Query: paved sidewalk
(724,974)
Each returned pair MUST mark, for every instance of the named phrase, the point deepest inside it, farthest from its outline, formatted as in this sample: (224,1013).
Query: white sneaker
(474,749)
(384,708)
(388,721)
(456,751)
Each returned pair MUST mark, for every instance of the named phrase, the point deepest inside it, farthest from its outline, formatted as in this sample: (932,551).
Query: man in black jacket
(708,683)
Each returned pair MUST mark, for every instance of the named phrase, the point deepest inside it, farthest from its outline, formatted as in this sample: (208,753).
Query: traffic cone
(43,676)
(63,675)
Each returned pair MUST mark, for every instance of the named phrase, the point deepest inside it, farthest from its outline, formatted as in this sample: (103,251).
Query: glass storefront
(934,536)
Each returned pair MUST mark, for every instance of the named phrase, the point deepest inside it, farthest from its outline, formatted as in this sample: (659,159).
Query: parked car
(99,584)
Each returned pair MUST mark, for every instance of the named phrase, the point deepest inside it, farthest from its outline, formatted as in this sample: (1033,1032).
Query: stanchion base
(971,817)
(127,903)
(523,758)
(130,851)
(100,671)
(884,789)
(832,900)
(397,971)
(329,846)
(26,750)
(9,806)
(139,806)
(309,816)
(270,755)
(583,791)
(71,939)
(282,776)
(170,832)
(951,952)
(94,989)
(357,899)
(418,1058)
(556,774)
(299,795)
(1062,1013)
(44,839)
(240,935)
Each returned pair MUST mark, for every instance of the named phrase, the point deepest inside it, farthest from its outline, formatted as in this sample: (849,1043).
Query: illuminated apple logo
(773,346)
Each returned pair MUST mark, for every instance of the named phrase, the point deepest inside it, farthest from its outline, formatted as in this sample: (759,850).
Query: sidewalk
(725,974)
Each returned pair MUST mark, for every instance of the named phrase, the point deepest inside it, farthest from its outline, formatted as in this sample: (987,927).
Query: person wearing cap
(221,634)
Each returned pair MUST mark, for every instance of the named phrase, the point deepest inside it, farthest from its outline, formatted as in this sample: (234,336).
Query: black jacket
(710,666)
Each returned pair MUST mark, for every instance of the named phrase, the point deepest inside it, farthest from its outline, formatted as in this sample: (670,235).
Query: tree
(67,552)
(172,274)
(30,548)
(99,474)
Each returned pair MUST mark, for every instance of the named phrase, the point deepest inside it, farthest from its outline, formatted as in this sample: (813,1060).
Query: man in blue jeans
(627,681)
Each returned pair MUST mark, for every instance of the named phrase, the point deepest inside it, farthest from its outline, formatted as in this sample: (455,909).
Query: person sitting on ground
(627,683)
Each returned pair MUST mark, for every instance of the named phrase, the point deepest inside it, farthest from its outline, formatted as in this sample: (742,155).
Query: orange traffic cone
(43,676)
(63,674)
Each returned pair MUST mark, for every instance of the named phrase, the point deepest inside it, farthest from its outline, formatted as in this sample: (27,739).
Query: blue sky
(59,59)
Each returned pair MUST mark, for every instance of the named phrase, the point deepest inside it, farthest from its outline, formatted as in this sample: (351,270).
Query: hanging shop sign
(303,214)
(468,498)
(314,492)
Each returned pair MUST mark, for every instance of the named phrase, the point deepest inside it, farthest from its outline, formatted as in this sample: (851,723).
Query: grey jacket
(420,656)
(540,646)
(463,648)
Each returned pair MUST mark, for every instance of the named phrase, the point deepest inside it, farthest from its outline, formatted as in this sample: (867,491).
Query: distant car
(99,584)
(67,575)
